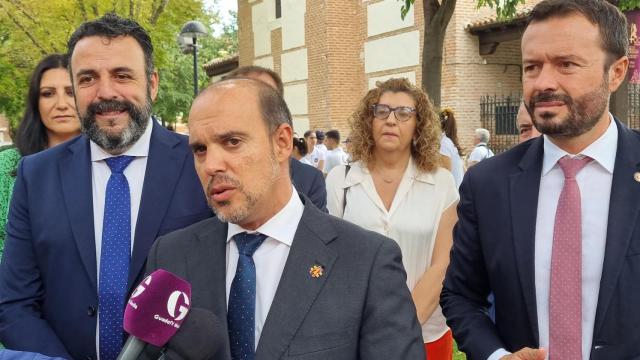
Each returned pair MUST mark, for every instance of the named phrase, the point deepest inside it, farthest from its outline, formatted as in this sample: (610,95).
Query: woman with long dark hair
(449,144)
(49,119)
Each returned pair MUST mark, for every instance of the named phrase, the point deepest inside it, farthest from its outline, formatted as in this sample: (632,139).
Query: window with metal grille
(505,116)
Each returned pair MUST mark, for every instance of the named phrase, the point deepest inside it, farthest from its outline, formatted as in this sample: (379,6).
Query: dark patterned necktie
(241,313)
(115,255)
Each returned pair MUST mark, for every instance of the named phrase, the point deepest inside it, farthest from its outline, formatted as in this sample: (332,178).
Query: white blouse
(412,221)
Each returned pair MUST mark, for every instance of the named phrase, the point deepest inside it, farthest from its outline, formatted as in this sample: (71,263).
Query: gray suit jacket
(360,308)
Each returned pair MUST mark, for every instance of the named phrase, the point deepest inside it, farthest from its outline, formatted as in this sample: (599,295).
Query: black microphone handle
(132,349)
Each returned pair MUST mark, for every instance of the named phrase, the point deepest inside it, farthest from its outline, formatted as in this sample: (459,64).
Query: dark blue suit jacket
(310,182)
(494,246)
(48,291)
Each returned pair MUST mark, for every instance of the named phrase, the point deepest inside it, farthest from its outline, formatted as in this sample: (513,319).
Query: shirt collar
(359,173)
(139,149)
(282,226)
(602,151)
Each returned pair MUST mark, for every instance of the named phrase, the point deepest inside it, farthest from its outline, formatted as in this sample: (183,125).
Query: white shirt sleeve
(498,354)
(335,190)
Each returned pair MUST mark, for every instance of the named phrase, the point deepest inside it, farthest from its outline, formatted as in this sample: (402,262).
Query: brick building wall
(316,18)
(345,44)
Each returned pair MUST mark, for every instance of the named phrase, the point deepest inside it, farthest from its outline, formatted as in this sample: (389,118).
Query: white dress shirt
(269,258)
(412,221)
(100,173)
(480,152)
(335,158)
(314,157)
(594,181)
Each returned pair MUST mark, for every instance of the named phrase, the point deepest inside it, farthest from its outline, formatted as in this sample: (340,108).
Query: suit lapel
(75,177)
(164,165)
(623,215)
(298,289)
(210,253)
(523,194)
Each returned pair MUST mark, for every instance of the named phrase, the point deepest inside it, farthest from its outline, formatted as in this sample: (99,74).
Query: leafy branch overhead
(30,29)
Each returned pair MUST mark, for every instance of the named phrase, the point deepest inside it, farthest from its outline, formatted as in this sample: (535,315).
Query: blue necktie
(241,313)
(114,258)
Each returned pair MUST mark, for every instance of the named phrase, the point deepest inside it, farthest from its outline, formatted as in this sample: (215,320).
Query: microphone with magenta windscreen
(155,312)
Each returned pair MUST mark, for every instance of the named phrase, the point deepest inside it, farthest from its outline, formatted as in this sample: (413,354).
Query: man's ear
(154,84)
(283,142)
(618,73)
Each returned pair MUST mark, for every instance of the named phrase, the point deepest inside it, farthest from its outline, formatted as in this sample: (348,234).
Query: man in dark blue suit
(84,214)
(551,226)
(307,179)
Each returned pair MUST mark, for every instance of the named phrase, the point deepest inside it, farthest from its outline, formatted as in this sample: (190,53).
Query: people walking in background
(551,226)
(315,157)
(449,145)
(85,213)
(335,155)
(50,118)
(526,130)
(481,149)
(396,187)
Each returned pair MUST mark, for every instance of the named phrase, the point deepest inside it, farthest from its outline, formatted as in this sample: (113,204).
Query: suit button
(89,358)
(91,312)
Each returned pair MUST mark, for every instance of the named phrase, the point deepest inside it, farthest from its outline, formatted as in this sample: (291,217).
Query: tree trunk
(437,15)
(432,63)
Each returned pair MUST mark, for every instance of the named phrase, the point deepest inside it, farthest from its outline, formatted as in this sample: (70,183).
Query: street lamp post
(187,41)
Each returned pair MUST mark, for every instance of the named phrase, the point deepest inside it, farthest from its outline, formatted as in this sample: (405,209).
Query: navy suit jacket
(309,181)
(48,287)
(494,246)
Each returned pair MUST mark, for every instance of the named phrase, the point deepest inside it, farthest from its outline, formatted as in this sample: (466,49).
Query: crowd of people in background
(389,242)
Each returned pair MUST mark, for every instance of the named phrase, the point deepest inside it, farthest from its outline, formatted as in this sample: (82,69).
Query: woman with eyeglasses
(397,187)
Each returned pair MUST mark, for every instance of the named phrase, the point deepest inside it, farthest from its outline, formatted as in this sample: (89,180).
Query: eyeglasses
(402,113)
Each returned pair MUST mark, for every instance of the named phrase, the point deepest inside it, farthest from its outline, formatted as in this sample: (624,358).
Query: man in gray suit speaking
(291,281)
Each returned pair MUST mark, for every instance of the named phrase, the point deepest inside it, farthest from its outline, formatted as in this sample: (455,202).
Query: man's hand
(527,354)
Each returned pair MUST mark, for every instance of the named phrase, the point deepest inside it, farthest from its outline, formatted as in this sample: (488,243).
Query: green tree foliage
(30,29)
(176,81)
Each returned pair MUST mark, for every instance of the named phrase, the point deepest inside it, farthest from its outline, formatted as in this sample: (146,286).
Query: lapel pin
(316,271)
(636,176)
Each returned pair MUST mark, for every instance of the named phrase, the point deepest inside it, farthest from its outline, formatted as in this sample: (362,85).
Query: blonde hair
(425,150)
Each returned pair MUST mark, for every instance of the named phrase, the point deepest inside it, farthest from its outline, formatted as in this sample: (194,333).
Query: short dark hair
(31,135)
(273,109)
(612,24)
(308,133)
(245,71)
(301,145)
(112,26)
(334,135)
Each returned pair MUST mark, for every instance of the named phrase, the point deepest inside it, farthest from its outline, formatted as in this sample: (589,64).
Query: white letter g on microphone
(182,307)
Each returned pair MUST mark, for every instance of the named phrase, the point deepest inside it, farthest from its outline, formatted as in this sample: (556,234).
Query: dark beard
(116,143)
(584,112)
